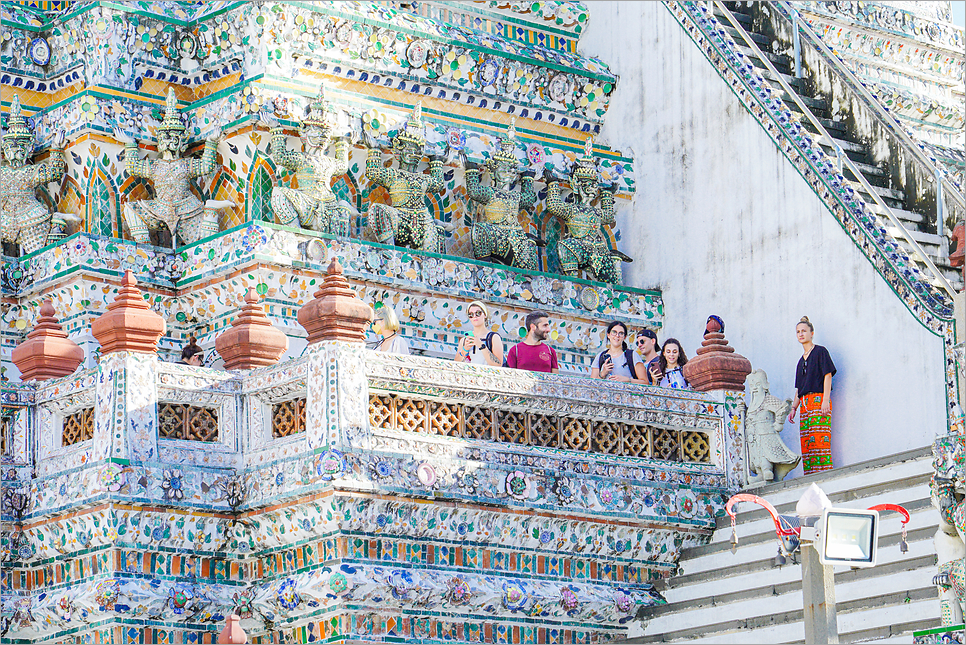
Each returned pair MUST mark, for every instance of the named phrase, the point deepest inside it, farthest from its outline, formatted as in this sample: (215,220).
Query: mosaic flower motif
(106,594)
(458,591)
(89,108)
(172,485)
(535,155)
(21,613)
(455,139)
(383,470)
(518,485)
(623,602)
(253,238)
(338,583)
(568,599)
(111,478)
(251,100)
(234,490)
(515,595)
(330,464)
(287,596)
(179,596)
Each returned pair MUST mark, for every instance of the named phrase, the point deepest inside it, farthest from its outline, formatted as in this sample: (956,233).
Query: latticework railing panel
(187,422)
(288,418)
(78,427)
(407,414)
(695,447)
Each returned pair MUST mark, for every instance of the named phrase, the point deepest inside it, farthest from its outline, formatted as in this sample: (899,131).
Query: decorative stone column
(717,367)
(251,341)
(338,393)
(48,352)
(126,414)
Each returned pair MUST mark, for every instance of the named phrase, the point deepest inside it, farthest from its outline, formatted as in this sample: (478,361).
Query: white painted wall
(722,223)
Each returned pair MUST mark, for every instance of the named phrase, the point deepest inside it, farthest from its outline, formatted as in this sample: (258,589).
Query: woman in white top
(387,326)
(482,347)
(617,362)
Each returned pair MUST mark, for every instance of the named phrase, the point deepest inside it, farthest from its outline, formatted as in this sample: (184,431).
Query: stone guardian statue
(768,457)
(499,236)
(174,207)
(408,222)
(584,245)
(313,204)
(24,220)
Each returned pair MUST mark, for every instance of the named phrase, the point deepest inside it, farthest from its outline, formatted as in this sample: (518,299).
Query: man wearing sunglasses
(649,349)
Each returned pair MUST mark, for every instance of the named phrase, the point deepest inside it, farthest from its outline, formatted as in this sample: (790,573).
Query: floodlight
(848,537)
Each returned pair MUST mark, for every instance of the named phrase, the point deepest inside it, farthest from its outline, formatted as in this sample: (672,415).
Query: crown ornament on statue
(585,168)
(508,143)
(17,129)
(318,112)
(413,133)
(172,117)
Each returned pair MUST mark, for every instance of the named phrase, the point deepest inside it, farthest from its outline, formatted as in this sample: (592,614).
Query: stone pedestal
(336,313)
(251,341)
(48,352)
(129,324)
(717,366)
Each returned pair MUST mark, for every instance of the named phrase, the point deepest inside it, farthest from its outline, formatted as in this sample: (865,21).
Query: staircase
(720,597)
(920,226)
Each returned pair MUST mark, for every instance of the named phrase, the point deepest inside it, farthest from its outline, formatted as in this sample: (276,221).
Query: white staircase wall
(723,223)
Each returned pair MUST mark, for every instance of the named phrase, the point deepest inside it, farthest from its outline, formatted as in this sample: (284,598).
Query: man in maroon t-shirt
(533,354)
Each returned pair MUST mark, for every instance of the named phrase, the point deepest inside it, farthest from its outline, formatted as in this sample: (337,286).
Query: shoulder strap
(488,341)
(600,359)
(629,360)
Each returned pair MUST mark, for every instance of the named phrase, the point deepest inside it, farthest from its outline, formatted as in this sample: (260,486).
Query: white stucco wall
(722,223)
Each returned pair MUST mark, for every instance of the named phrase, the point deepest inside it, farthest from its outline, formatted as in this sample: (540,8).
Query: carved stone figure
(313,203)
(407,222)
(768,457)
(950,542)
(499,236)
(174,207)
(584,245)
(23,219)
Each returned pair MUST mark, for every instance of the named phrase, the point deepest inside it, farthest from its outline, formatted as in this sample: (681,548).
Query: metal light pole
(797,534)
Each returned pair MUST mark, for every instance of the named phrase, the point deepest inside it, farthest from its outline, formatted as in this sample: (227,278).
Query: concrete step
(742,18)
(904,215)
(885,193)
(762,41)
(780,61)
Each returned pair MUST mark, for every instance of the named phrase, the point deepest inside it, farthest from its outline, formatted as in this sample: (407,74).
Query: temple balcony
(561,497)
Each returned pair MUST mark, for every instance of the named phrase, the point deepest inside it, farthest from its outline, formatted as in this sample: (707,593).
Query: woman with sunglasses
(617,362)
(482,347)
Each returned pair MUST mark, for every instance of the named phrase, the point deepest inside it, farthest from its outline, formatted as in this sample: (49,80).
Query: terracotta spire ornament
(233,632)
(251,341)
(336,313)
(48,352)
(717,366)
(129,324)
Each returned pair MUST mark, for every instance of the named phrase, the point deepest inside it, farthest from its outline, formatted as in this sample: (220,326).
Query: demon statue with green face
(175,207)
(23,219)
(584,245)
(408,222)
(313,204)
(499,236)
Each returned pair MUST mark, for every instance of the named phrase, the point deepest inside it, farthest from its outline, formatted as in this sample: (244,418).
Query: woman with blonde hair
(387,326)
(813,389)
(482,347)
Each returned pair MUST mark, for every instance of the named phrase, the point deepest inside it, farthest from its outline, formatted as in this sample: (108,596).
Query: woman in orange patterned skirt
(813,389)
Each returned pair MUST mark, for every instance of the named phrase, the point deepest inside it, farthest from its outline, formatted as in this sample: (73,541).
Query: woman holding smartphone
(617,362)
(482,347)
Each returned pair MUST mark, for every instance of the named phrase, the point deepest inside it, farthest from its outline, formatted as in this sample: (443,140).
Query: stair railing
(842,159)
(945,187)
